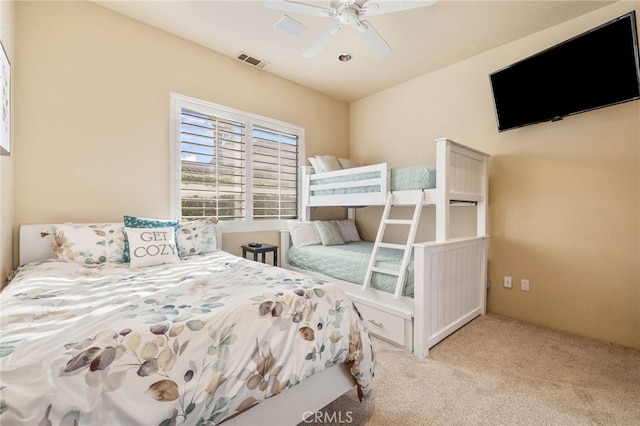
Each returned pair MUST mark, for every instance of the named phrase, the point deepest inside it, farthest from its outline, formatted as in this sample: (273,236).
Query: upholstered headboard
(34,247)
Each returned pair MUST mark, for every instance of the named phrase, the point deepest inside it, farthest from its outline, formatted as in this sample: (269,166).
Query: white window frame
(178,102)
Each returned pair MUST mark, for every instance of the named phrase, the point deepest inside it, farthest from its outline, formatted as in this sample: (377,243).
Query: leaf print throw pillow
(197,236)
(88,243)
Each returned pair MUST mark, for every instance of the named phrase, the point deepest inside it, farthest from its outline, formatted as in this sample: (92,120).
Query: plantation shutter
(212,152)
(275,174)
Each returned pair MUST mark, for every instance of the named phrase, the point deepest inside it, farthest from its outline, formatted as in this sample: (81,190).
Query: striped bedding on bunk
(349,263)
(402,178)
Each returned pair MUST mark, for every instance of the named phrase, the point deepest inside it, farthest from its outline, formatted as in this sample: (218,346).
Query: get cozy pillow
(142,222)
(152,246)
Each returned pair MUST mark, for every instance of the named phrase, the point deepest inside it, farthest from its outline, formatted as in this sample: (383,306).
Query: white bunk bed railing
(461,176)
(373,176)
(460,169)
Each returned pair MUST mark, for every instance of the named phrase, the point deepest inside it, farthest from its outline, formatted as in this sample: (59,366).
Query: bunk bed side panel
(461,176)
(451,291)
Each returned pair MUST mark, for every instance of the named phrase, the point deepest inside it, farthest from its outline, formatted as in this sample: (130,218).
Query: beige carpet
(499,371)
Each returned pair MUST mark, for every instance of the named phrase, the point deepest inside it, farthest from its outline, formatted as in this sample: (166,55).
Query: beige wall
(7,193)
(92,129)
(564,196)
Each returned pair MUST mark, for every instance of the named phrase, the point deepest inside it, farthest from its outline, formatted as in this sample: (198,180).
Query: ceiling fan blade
(376,43)
(378,7)
(292,6)
(322,42)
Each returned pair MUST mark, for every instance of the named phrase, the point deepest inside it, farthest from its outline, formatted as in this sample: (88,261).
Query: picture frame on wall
(5,106)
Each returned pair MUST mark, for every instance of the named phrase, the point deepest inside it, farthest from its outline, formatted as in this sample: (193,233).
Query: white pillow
(152,246)
(348,230)
(346,163)
(327,163)
(304,234)
(314,163)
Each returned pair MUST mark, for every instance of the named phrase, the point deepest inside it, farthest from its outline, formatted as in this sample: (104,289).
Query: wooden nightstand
(264,249)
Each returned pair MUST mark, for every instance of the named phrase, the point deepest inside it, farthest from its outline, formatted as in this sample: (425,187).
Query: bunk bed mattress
(192,342)
(349,263)
(401,179)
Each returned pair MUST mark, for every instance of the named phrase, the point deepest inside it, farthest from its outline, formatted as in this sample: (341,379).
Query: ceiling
(422,39)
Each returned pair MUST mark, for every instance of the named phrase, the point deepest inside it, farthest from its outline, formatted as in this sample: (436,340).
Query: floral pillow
(141,222)
(197,236)
(88,243)
(152,246)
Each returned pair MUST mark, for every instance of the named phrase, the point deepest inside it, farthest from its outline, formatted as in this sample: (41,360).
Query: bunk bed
(449,274)
(206,338)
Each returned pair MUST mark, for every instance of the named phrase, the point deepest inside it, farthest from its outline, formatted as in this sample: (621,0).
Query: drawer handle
(377,324)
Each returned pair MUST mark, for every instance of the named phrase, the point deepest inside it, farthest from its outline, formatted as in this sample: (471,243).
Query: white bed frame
(449,274)
(290,407)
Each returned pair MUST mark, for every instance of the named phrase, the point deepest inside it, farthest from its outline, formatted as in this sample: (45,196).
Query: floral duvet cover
(193,342)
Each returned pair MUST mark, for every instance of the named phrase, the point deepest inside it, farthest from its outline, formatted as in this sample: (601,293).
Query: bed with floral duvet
(193,342)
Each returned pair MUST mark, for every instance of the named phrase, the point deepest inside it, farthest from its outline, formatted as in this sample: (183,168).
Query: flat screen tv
(593,70)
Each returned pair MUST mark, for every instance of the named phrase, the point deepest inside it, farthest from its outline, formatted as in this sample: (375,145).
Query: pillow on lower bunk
(329,232)
(88,243)
(348,230)
(152,246)
(304,234)
(197,236)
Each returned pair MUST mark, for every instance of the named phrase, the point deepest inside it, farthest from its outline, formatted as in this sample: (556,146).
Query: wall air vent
(245,57)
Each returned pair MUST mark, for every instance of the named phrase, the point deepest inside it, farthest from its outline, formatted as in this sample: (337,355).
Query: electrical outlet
(507,282)
(524,284)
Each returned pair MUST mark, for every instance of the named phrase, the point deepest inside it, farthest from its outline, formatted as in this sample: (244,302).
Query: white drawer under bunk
(394,327)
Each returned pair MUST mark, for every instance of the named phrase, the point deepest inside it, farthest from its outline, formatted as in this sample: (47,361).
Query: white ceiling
(422,39)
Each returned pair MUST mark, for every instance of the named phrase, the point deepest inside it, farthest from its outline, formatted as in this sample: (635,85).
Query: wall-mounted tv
(593,70)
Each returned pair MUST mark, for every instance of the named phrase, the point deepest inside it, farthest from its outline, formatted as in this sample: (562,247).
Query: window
(237,166)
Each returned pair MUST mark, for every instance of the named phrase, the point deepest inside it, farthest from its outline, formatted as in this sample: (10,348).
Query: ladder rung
(385,271)
(393,246)
(398,221)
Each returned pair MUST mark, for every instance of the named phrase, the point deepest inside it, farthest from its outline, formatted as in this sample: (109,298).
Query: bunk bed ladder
(413,227)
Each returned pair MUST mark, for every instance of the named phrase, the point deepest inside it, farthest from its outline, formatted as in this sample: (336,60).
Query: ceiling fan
(349,12)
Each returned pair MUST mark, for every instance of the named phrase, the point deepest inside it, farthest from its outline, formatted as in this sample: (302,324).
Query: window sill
(262,225)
